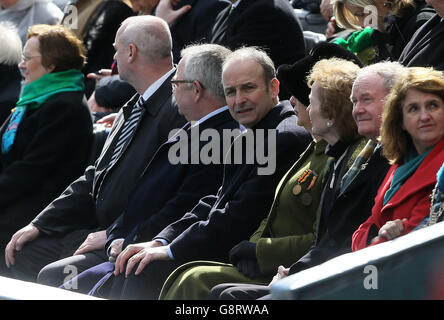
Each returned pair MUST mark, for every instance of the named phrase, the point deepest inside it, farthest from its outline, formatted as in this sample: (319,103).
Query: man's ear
(132,53)
(274,87)
(198,90)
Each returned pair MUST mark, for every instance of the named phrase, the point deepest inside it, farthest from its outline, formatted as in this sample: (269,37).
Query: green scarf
(359,42)
(35,94)
(412,161)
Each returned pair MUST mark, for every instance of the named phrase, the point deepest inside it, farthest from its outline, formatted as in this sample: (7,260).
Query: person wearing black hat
(110,94)
(289,230)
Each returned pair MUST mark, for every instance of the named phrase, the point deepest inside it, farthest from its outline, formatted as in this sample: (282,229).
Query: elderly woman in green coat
(289,230)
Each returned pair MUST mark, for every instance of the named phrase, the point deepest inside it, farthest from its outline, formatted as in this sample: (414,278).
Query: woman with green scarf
(413,140)
(45,142)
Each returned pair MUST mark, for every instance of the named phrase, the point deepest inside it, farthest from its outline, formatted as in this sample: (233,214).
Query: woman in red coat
(413,140)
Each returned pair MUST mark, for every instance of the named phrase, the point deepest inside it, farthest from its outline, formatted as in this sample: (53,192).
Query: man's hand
(99,75)
(108,120)
(165,11)
(24,235)
(115,250)
(94,241)
(137,252)
(281,273)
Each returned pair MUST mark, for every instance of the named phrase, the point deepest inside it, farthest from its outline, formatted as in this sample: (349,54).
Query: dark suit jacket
(50,150)
(351,208)
(10,85)
(219,222)
(166,191)
(196,24)
(97,198)
(270,24)
(426,46)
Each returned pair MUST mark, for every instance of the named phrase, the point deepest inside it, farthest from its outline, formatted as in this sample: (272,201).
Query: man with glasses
(76,221)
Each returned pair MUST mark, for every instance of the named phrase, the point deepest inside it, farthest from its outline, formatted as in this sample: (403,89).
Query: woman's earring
(328,124)
(387,4)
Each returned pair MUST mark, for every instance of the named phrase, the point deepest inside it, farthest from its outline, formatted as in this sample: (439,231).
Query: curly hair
(335,78)
(395,140)
(59,47)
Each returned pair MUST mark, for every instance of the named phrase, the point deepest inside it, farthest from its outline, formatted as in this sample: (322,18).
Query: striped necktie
(128,130)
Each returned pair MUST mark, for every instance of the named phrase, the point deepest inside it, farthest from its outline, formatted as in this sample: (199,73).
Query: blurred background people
(385,38)
(25,13)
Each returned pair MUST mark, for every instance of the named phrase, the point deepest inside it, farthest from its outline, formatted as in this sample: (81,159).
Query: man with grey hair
(10,77)
(76,222)
(219,221)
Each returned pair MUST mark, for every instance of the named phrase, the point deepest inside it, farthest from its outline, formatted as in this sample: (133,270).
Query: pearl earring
(328,124)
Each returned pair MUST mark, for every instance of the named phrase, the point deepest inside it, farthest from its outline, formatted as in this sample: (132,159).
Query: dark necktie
(128,130)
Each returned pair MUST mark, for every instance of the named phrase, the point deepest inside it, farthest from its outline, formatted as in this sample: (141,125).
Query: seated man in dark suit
(94,201)
(217,222)
(355,199)
(166,188)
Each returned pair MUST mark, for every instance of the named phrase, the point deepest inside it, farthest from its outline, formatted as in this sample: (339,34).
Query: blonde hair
(395,140)
(335,78)
(347,20)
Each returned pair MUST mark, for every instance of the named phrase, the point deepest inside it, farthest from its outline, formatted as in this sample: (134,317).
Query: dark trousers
(44,250)
(145,286)
(60,272)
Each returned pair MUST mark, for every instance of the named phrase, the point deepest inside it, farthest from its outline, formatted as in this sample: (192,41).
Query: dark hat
(112,92)
(294,76)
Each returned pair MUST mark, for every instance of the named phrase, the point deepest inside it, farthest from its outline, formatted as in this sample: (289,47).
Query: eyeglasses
(175,83)
(26,59)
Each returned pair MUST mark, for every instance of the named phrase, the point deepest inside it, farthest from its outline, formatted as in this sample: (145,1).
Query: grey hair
(11,48)
(389,71)
(151,36)
(259,56)
(203,62)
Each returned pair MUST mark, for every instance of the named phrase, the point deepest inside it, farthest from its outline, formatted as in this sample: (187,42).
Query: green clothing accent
(412,161)
(288,231)
(282,238)
(39,91)
(359,42)
(194,280)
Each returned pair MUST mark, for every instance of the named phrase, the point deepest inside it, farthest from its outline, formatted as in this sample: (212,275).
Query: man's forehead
(242,71)
(367,84)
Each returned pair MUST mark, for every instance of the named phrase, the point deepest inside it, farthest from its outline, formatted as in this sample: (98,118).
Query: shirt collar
(208,116)
(156,85)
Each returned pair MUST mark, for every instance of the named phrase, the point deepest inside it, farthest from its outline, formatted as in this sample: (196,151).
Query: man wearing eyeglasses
(76,222)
